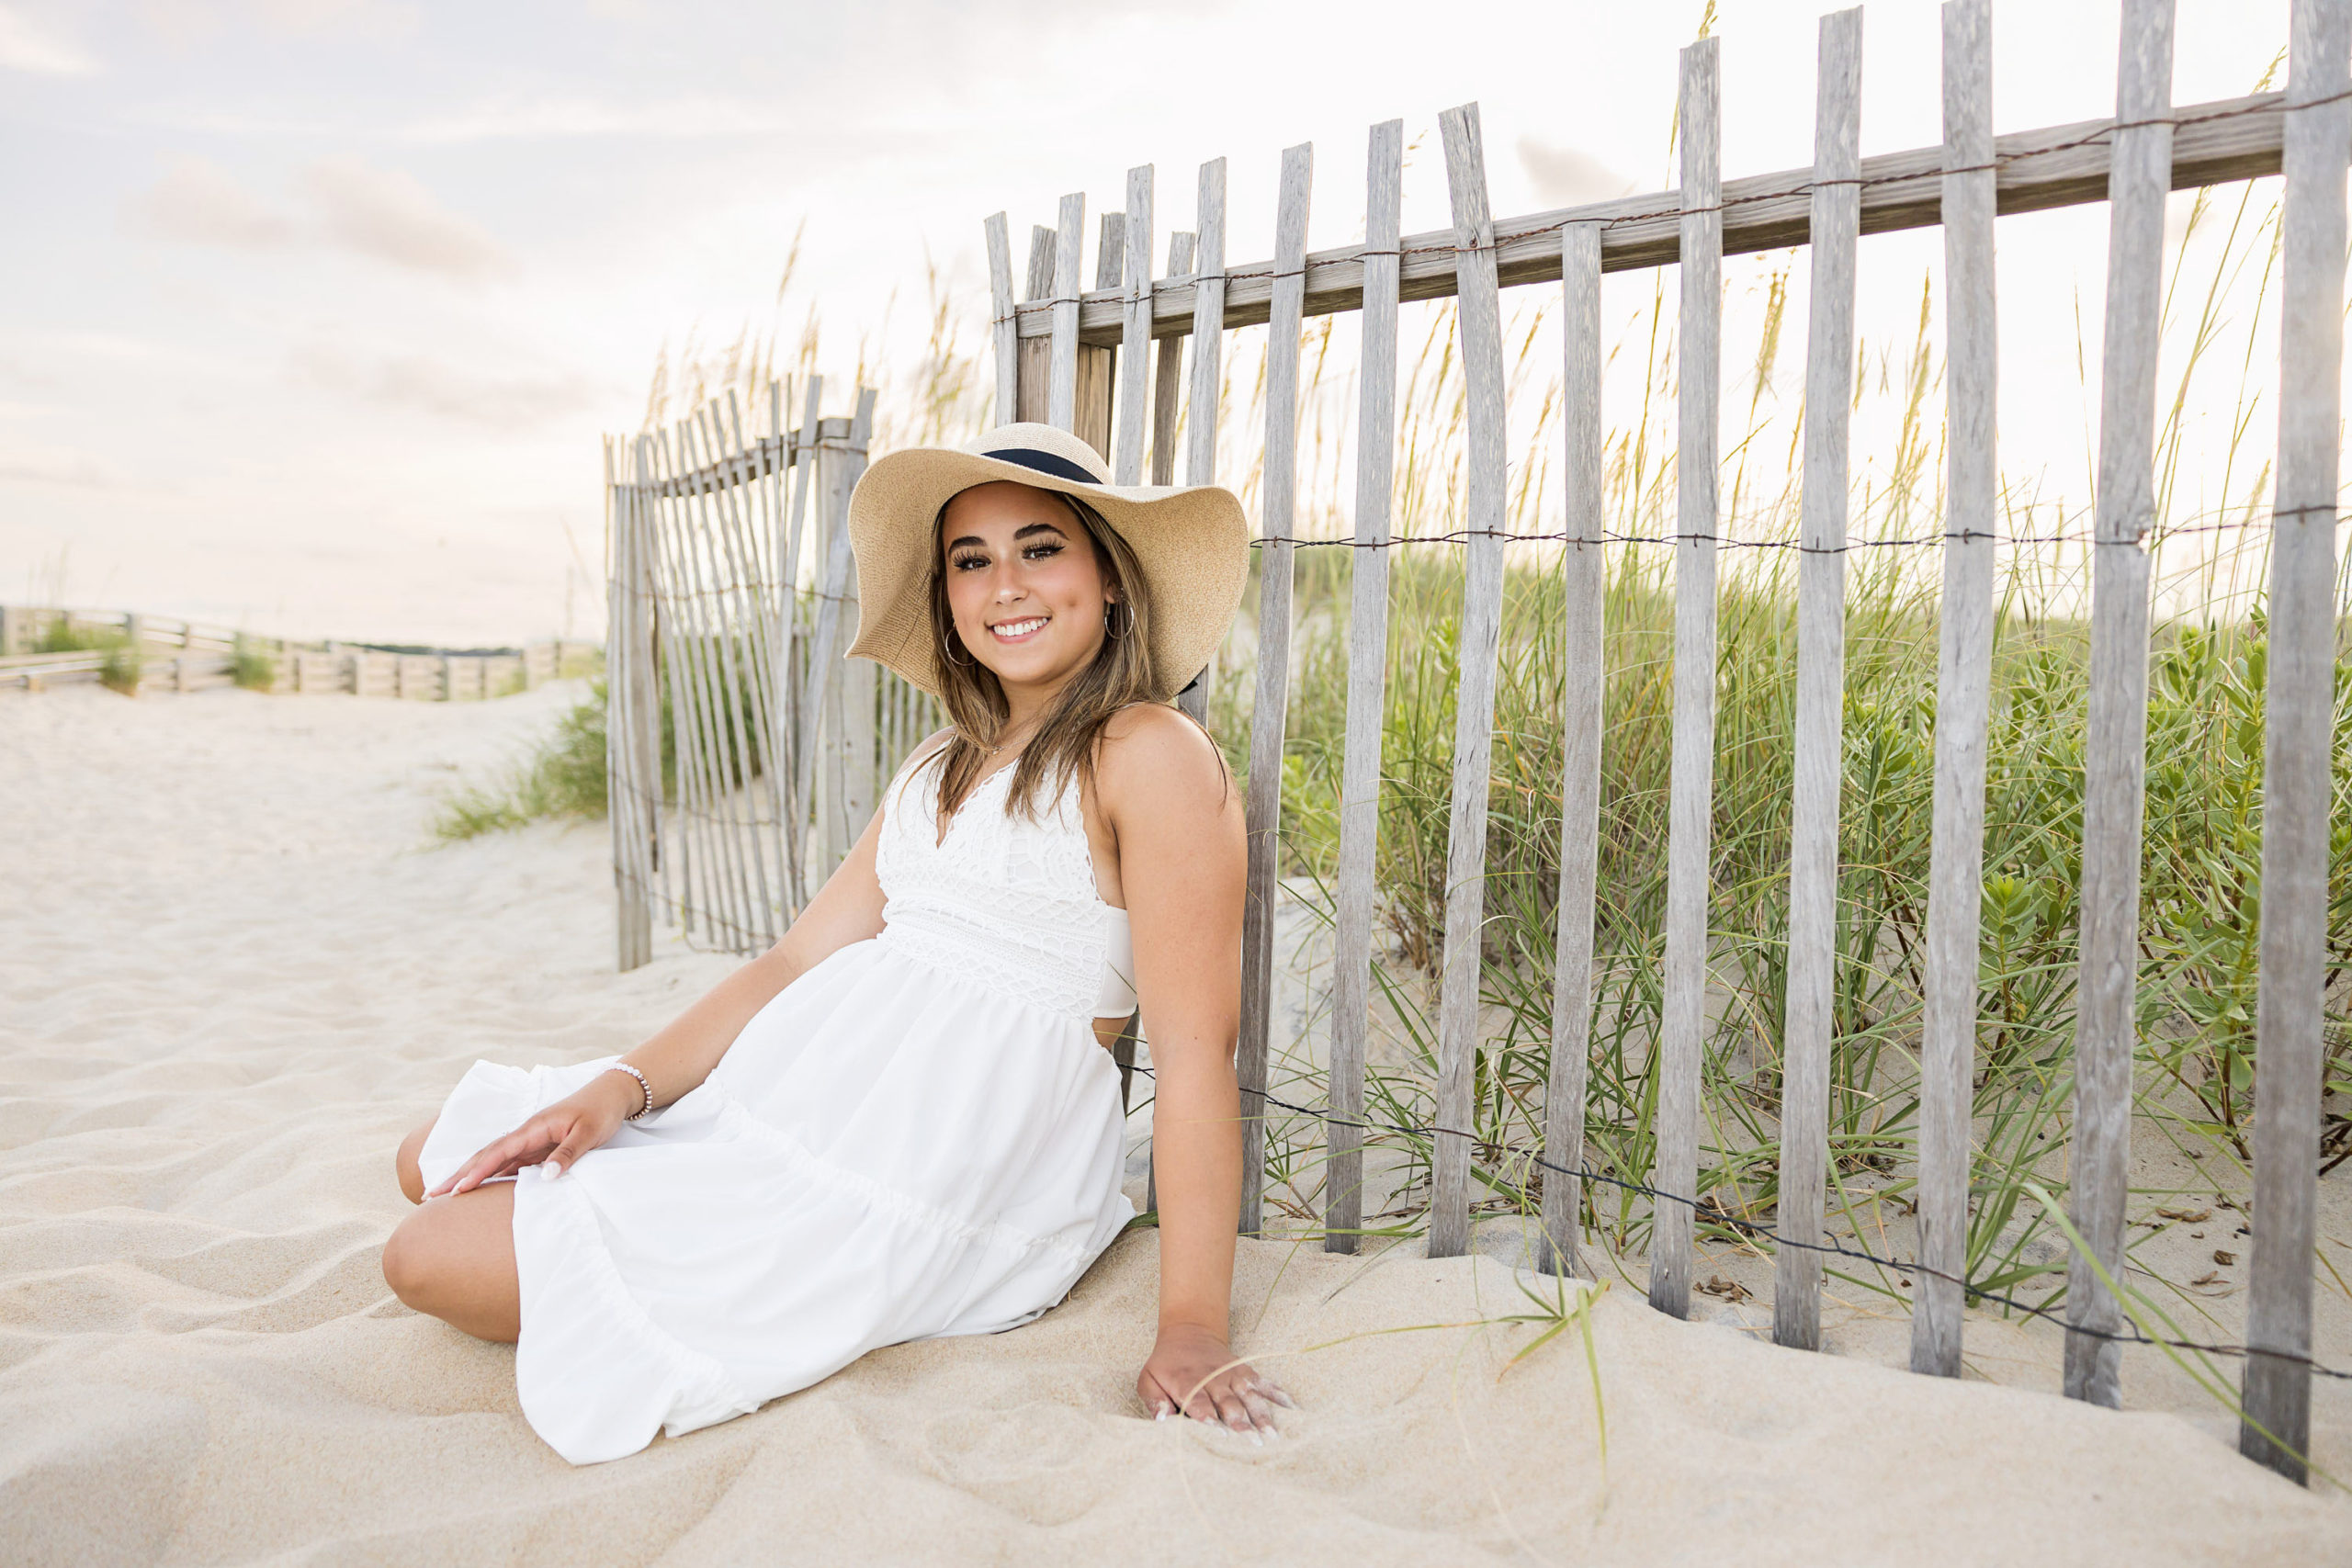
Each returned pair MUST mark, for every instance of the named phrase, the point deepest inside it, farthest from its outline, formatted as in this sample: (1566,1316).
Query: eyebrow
(1018,535)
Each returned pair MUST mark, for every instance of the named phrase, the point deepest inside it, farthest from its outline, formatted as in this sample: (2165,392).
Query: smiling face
(1024,587)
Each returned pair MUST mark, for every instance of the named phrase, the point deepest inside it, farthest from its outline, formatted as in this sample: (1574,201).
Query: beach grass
(562,777)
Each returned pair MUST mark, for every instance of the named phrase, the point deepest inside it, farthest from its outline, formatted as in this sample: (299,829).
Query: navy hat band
(1052,463)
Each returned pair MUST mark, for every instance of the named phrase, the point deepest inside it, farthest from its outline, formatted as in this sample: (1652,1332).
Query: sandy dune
(232,972)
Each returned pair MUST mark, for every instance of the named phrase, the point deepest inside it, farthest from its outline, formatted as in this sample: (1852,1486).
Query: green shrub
(121,670)
(252,666)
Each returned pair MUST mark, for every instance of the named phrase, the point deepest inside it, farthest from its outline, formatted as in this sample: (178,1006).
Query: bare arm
(677,1059)
(1181,862)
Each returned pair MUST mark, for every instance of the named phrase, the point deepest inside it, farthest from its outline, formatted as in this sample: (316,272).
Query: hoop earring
(1111,626)
(948,651)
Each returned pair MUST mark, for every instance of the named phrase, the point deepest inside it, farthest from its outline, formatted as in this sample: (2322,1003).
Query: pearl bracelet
(625,1067)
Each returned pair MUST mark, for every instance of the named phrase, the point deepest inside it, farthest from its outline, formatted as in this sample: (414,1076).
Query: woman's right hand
(556,1136)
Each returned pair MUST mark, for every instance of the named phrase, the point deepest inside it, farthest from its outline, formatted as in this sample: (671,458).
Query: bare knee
(404,1163)
(454,1259)
(409,1265)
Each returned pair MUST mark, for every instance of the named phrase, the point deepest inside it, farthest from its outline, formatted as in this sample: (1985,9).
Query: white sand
(231,973)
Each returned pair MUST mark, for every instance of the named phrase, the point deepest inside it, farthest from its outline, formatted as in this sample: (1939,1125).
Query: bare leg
(404,1162)
(454,1258)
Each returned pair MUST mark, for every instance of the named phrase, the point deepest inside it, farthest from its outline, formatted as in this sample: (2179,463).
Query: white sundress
(920,1137)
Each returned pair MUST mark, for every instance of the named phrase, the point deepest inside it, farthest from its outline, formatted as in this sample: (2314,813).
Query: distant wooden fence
(732,596)
(1081,359)
(183,656)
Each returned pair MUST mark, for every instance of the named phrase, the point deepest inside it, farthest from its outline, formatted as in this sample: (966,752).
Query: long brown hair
(1071,728)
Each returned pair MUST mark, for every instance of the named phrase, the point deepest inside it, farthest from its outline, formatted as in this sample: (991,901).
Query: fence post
(1265,797)
(1583,597)
(1061,397)
(792,652)
(1135,367)
(1004,326)
(1097,367)
(2289,1015)
(1367,684)
(1809,1018)
(1167,374)
(632,916)
(1478,317)
(1690,788)
(1034,402)
(1208,359)
(2116,729)
(1963,694)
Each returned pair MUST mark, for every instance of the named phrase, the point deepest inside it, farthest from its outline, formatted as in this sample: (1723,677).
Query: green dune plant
(561,777)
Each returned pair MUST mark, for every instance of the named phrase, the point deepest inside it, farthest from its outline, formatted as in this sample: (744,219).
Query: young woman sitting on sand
(900,1122)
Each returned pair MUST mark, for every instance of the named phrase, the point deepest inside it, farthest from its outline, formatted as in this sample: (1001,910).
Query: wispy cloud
(505,398)
(388,214)
(26,45)
(385,214)
(201,203)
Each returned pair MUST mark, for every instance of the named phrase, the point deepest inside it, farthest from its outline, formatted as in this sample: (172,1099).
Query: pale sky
(316,308)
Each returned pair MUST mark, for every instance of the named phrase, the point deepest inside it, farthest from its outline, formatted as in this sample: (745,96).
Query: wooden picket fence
(1084,360)
(160,653)
(732,595)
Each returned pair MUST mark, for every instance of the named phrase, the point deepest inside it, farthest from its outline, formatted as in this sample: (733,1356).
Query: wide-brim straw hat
(1191,541)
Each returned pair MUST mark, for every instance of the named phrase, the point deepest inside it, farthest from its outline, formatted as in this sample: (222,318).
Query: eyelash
(1032,552)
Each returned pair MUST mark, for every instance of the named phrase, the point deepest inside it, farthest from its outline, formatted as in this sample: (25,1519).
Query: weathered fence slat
(1032,400)
(642,680)
(1208,364)
(1690,788)
(1005,332)
(1584,584)
(1367,685)
(863,781)
(2289,1016)
(1809,1017)
(2115,740)
(1062,395)
(780,637)
(1090,412)
(1963,693)
(789,660)
(1135,350)
(634,926)
(1278,495)
(1168,375)
(1478,318)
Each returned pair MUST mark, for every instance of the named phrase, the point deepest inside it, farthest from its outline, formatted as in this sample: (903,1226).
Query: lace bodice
(1005,903)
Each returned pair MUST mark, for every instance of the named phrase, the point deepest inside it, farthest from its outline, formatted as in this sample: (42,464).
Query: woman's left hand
(1194,1371)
